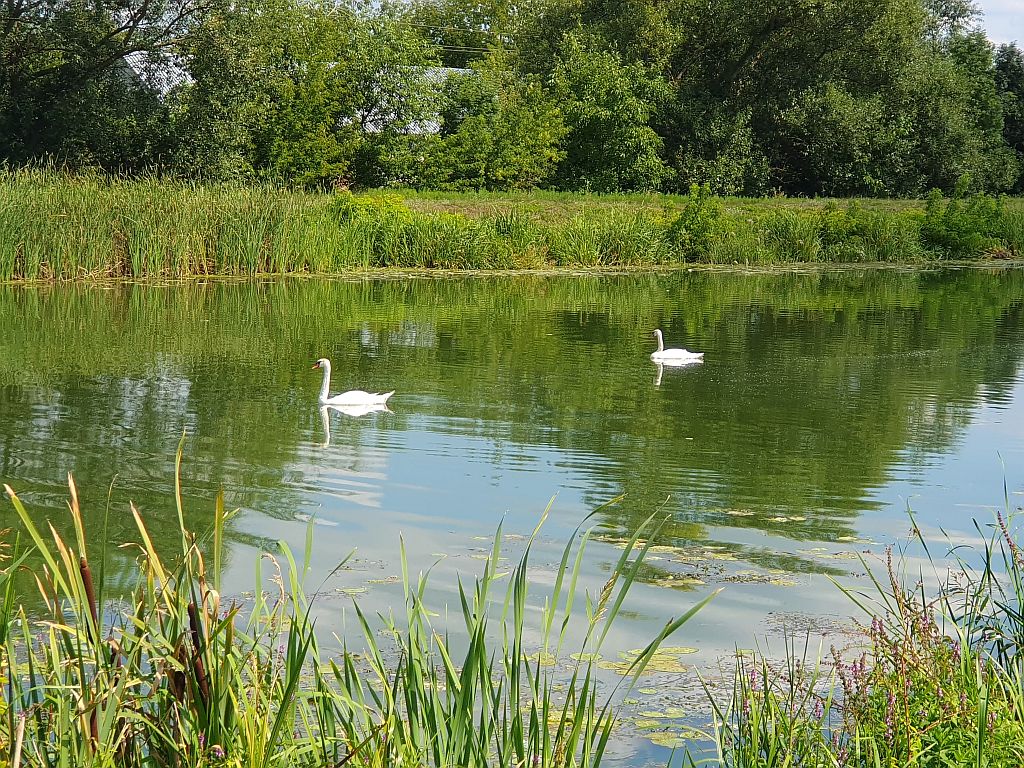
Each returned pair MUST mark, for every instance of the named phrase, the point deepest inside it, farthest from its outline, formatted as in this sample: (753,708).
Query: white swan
(673,356)
(352,397)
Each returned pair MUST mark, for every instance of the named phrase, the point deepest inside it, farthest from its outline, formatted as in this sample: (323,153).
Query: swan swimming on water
(353,397)
(673,356)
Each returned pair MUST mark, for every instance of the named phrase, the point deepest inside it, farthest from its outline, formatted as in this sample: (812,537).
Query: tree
(1009,78)
(607,106)
(463,31)
(951,17)
(301,92)
(499,130)
(66,88)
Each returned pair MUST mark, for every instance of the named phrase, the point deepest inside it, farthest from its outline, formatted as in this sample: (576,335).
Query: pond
(827,403)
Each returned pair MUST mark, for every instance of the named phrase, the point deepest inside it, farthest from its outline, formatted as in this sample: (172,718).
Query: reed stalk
(57,226)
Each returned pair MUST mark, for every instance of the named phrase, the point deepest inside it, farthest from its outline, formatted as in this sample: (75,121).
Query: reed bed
(174,674)
(939,681)
(55,226)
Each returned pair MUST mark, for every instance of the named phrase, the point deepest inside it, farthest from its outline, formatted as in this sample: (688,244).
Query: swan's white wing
(359,397)
(670,356)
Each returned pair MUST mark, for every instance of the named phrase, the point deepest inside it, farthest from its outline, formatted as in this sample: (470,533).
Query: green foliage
(723,152)
(302,93)
(607,107)
(695,229)
(830,141)
(617,239)
(939,684)
(1009,77)
(463,31)
(792,236)
(58,226)
(962,227)
(67,92)
(805,97)
(498,131)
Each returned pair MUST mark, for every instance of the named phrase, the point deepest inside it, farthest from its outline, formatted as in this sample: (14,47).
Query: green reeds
(174,675)
(939,681)
(57,226)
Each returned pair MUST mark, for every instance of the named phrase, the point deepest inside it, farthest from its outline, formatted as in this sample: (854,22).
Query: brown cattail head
(90,596)
(198,643)
(176,680)
(94,729)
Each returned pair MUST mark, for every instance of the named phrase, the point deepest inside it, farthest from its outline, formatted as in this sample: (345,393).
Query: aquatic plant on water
(175,674)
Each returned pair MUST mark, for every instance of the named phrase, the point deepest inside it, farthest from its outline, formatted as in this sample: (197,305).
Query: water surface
(827,402)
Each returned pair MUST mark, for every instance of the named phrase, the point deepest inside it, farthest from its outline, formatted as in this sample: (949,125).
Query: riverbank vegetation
(61,227)
(939,683)
(172,673)
(885,98)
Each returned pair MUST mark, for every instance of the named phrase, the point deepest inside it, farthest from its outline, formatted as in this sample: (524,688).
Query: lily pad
(543,658)
(350,591)
(663,660)
(667,739)
(669,713)
(678,581)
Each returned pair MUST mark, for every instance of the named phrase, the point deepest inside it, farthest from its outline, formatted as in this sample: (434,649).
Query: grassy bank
(940,680)
(55,226)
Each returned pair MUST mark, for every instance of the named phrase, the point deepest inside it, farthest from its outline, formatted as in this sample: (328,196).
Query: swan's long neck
(661,341)
(325,388)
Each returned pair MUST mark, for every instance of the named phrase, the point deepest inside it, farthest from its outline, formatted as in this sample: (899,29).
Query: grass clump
(939,683)
(174,674)
(56,226)
(958,228)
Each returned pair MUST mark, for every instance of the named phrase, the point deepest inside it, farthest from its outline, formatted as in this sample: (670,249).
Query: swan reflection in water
(354,411)
(663,364)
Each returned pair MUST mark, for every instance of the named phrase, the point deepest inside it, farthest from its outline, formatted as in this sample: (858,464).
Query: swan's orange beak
(315,365)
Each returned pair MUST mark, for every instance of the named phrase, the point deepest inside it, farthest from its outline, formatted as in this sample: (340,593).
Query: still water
(827,404)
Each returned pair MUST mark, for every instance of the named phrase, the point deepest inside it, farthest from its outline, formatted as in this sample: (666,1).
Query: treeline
(802,97)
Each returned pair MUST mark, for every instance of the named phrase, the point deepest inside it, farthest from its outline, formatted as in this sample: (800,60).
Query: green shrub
(739,244)
(962,228)
(1011,231)
(881,236)
(694,230)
